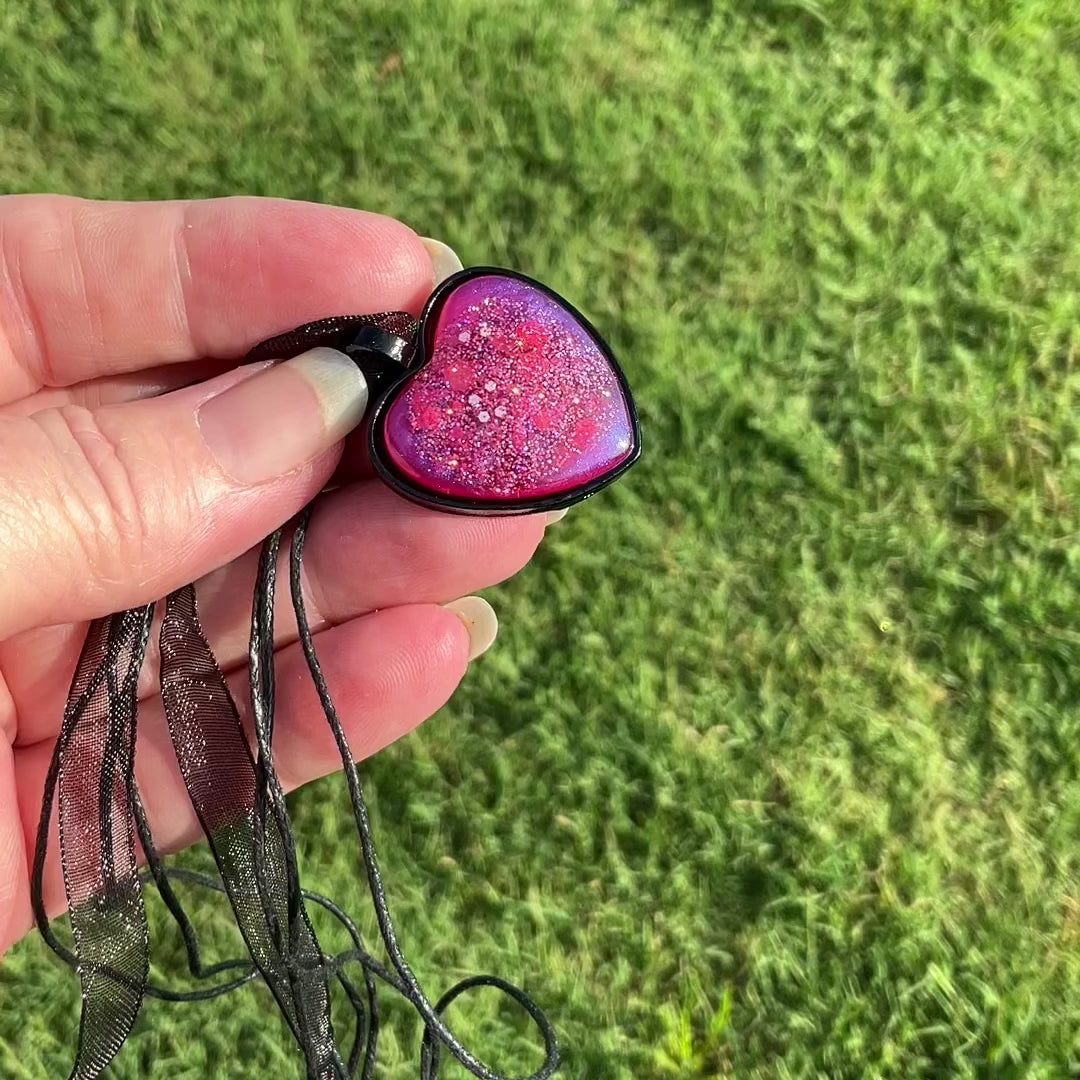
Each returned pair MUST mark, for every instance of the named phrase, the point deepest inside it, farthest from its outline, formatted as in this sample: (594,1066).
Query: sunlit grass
(773,772)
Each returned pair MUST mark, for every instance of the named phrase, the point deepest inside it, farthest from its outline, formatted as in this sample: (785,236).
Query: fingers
(95,288)
(387,672)
(104,509)
(366,549)
(369,550)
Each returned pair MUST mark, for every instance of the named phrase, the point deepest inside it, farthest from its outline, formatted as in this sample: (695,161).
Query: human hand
(120,481)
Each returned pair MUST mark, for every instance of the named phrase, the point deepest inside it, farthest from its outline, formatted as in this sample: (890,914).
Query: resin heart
(518,404)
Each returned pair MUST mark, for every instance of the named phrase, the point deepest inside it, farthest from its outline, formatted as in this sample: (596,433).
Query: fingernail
(480,621)
(283,417)
(556,515)
(444,260)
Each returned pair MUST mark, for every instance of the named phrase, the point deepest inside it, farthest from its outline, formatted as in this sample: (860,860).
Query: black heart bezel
(407,487)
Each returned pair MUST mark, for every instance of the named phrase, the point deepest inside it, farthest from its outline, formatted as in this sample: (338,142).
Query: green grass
(774,771)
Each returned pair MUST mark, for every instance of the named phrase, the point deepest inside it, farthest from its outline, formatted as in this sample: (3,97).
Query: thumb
(108,508)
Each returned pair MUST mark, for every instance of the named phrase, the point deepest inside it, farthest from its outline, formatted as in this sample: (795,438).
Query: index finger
(97,288)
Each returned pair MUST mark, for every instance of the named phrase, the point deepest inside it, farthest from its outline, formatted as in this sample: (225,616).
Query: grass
(774,771)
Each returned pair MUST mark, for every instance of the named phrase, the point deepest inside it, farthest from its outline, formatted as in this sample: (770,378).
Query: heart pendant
(501,400)
(513,403)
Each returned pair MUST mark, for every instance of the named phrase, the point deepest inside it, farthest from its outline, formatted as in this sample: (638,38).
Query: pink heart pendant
(513,403)
(501,400)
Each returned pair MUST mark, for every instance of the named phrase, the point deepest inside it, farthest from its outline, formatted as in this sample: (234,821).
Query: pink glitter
(516,401)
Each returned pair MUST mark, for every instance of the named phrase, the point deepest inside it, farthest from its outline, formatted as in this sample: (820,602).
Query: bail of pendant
(381,356)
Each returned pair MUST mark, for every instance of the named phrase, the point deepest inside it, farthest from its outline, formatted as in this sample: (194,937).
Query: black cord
(435,1032)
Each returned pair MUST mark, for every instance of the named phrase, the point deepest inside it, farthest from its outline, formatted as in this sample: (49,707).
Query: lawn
(773,772)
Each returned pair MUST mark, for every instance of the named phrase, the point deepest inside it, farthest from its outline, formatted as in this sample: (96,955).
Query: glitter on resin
(516,401)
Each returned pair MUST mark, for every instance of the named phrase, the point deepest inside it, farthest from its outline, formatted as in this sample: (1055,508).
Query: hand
(120,480)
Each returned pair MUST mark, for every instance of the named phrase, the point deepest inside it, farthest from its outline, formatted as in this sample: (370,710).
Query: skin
(102,307)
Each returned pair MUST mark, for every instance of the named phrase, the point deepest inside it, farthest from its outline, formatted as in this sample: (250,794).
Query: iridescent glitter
(516,401)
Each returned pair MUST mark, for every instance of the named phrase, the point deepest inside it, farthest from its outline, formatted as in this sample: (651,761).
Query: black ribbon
(240,803)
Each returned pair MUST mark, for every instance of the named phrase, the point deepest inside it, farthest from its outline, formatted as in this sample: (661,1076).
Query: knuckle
(94,490)
(44,255)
